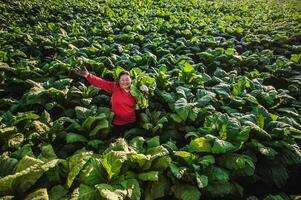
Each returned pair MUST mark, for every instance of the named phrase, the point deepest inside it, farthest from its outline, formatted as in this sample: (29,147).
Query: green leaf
(47,153)
(176,118)
(148,126)
(186,192)
(110,193)
(203,101)
(40,127)
(74,137)
(279,175)
(262,116)
(52,26)
(158,189)
(149,176)
(71,123)
(141,159)
(87,124)
(88,193)
(75,194)
(16,140)
(161,163)
(8,165)
(230,52)
(239,30)
(40,194)
(58,192)
(188,68)
(157,152)
(82,113)
(132,187)
(221,146)
(141,78)
(26,175)
(153,142)
(119,145)
(178,172)
(76,164)
(264,150)
(92,173)
(239,164)
(7,131)
(296,58)
(182,108)
(200,144)
(250,98)
(219,189)
(25,150)
(187,156)
(207,160)
(217,174)
(8,197)
(103,124)
(112,162)
(257,132)
(201,180)
(27,162)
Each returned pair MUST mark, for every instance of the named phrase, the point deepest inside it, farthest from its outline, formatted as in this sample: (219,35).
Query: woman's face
(125,82)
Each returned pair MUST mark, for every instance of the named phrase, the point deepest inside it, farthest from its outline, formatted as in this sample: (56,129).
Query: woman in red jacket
(123,103)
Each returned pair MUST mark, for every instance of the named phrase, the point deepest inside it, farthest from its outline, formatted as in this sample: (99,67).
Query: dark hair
(124,72)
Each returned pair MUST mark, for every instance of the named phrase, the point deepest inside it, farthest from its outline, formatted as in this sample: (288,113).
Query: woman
(123,103)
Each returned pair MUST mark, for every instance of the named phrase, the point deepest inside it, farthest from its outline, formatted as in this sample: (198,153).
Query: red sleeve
(108,86)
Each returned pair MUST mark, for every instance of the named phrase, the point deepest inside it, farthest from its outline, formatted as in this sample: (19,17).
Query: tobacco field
(222,120)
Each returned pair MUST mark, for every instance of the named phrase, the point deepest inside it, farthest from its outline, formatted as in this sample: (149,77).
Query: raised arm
(108,86)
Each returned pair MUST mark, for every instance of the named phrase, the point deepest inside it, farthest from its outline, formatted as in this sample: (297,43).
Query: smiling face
(125,82)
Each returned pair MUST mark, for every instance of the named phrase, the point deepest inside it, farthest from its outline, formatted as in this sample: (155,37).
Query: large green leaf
(26,175)
(26,162)
(87,192)
(110,193)
(58,192)
(112,162)
(76,163)
(202,180)
(7,131)
(182,107)
(239,164)
(186,192)
(217,174)
(221,146)
(178,172)
(119,145)
(206,161)
(40,194)
(264,150)
(141,159)
(93,172)
(158,189)
(279,175)
(200,144)
(219,189)
(132,187)
(47,153)
(87,124)
(149,176)
(8,165)
(74,137)
(262,116)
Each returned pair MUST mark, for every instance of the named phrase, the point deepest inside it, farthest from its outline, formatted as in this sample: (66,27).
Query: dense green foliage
(223,113)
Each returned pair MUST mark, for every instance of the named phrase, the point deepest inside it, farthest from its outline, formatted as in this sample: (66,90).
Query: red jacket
(123,103)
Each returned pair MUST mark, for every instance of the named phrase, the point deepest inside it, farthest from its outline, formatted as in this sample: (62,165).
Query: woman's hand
(82,72)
